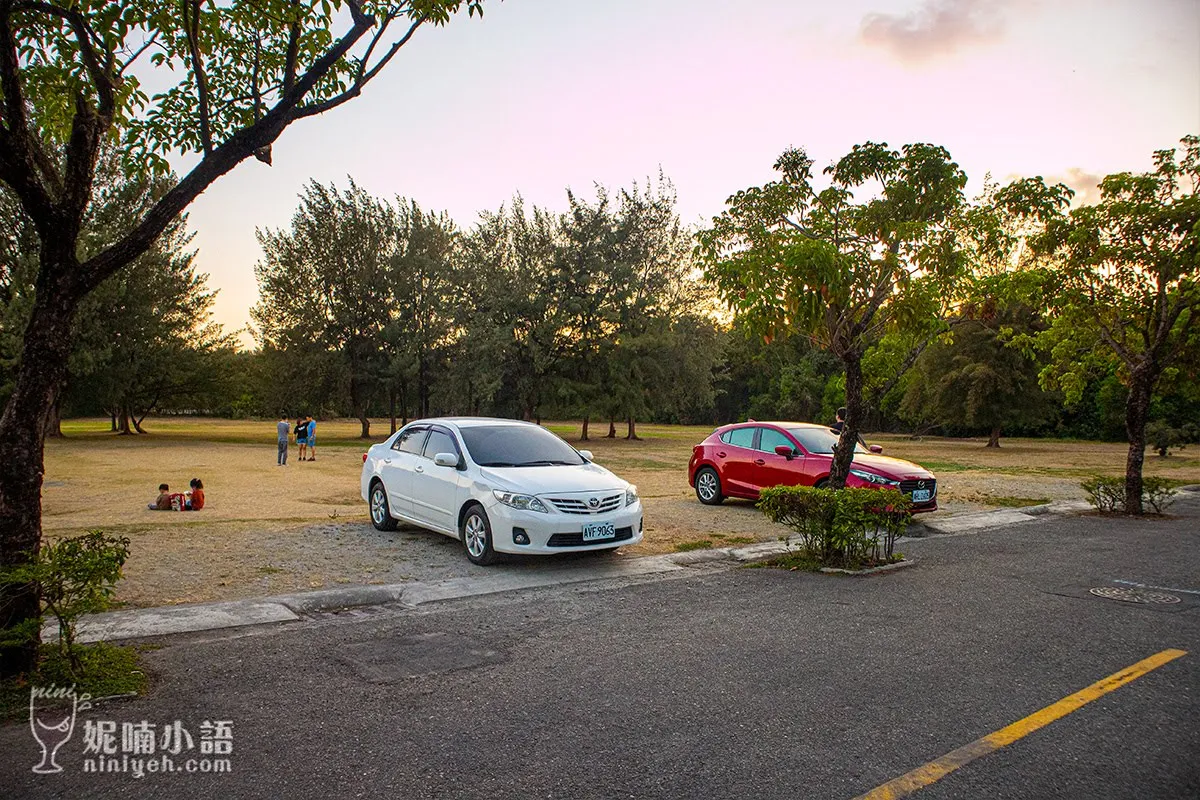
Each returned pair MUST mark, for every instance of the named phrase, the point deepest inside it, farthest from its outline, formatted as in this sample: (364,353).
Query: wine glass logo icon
(52,714)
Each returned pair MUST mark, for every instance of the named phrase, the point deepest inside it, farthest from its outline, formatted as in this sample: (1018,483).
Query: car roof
(778,424)
(471,422)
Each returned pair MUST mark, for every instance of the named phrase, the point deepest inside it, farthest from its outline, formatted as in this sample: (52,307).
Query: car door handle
(419,468)
(720,455)
(759,461)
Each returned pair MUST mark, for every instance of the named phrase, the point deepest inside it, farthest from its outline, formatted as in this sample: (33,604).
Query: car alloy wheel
(477,537)
(381,515)
(708,486)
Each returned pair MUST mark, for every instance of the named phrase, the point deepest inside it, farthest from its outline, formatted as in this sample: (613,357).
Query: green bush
(1107,495)
(74,576)
(848,528)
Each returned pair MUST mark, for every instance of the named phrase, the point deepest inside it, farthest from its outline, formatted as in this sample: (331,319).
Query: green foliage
(99,670)
(74,576)
(846,528)
(1107,495)
(1163,436)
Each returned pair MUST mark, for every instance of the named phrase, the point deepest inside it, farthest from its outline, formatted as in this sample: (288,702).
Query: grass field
(269,529)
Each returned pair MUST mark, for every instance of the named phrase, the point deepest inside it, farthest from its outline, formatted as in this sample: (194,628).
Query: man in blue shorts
(312,438)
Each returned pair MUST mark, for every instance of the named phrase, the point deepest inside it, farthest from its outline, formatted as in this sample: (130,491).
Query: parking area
(719,683)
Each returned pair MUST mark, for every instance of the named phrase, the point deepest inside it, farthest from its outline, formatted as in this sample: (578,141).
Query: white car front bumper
(558,532)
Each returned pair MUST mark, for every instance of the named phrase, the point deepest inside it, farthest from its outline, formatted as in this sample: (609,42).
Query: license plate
(595,531)
(921,495)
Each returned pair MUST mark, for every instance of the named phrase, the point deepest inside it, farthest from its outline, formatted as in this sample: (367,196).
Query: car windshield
(820,440)
(517,446)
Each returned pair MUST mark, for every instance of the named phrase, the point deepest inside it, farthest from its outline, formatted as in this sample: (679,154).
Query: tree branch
(222,159)
(191,28)
(356,89)
(137,53)
(105,85)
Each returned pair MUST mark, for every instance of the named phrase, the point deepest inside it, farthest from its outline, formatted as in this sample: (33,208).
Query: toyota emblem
(594,502)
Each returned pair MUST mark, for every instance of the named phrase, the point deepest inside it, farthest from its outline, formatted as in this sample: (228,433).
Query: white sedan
(499,486)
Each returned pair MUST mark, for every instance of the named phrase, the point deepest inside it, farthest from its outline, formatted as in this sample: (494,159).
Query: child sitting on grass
(163,503)
(196,501)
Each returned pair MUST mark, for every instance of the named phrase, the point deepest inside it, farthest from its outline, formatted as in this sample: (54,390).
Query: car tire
(381,512)
(708,487)
(822,484)
(476,535)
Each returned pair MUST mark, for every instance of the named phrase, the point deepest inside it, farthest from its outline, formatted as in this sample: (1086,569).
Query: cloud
(1085,184)
(937,28)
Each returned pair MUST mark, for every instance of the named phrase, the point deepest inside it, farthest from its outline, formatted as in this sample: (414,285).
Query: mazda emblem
(920,484)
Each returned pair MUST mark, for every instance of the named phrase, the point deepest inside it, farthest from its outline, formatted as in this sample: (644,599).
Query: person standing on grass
(312,438)
(841,421)
(284,429)
(301,435)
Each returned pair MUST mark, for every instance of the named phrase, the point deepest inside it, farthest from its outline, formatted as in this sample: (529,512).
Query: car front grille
(575,505)
(925,483)
(576,539)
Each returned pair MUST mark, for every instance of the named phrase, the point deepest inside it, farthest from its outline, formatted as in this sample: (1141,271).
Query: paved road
(742,683)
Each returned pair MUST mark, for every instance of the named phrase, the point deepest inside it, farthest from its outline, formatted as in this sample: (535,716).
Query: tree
(795,259)
(238,75)
(422,294)
(981,377)
(326,283)
(1125,274)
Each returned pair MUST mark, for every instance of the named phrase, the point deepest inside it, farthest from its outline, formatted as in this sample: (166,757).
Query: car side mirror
(785,451)
(587,454)
(875,448)
(446,460)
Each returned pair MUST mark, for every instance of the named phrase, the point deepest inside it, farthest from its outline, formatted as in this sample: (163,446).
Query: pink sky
(547,94)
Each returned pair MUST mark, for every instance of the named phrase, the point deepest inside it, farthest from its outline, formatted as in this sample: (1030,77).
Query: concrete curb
(167,620)
(871,571)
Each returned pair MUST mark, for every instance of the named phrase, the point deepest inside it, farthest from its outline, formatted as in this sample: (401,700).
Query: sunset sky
(546,94)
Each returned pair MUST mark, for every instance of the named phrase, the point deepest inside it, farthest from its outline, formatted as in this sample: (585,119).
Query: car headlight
(525,502)
(878,480)
(631,495)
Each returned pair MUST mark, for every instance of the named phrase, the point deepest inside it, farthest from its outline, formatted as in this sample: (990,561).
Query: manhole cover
(1134,595)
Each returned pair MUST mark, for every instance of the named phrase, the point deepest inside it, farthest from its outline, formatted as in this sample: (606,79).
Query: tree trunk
(123,426)
(365,423)
(113,418)
(584,436)
(54,420)
(1137,409)
(994,439)
(843,451)
(46,346)
(612,429)
(392,407)
(631,429)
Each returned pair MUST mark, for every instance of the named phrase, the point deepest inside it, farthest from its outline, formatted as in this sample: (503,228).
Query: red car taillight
(364,458)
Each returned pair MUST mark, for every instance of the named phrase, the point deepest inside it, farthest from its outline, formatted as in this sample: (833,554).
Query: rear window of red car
(739,437)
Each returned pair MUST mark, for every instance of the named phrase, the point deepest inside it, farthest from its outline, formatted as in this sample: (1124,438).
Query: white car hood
(552,480)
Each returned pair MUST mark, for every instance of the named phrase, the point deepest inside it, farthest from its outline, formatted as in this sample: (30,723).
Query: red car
(739,460)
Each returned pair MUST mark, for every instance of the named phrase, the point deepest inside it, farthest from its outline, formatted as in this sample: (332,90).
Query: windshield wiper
(496,464)
(547,463)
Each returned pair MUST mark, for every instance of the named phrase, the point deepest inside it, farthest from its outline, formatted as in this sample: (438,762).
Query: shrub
(74,576)
(1107,495)
(1158,494)
(846,528)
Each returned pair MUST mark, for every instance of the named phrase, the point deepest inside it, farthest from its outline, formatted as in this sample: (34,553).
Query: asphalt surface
(717,683)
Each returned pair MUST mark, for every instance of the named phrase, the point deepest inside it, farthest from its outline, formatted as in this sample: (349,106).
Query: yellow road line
(939,768)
